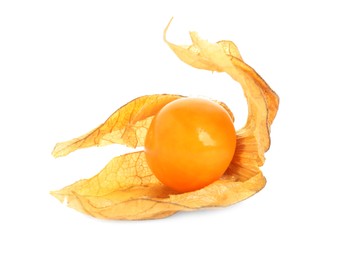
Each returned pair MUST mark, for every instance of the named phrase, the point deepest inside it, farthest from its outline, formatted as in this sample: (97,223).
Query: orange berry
(190,143)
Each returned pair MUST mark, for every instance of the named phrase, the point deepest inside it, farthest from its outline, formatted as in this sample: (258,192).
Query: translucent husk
(127,189)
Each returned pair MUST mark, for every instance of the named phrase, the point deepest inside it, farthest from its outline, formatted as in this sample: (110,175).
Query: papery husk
(127,189)
(128,125)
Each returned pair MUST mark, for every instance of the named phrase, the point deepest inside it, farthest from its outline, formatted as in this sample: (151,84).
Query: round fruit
(190,143)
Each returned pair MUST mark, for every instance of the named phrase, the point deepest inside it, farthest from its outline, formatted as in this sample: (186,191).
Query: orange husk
(127,125)
(127,189)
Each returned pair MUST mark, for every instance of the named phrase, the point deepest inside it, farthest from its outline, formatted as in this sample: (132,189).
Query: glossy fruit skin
(190,143)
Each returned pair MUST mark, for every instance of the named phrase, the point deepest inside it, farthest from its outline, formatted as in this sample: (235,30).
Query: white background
(65,66)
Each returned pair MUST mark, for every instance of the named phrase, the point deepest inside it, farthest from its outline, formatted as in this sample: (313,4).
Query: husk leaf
(127,189)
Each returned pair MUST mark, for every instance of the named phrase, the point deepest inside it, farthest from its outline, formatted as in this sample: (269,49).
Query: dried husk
(128,125)
(127,189)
